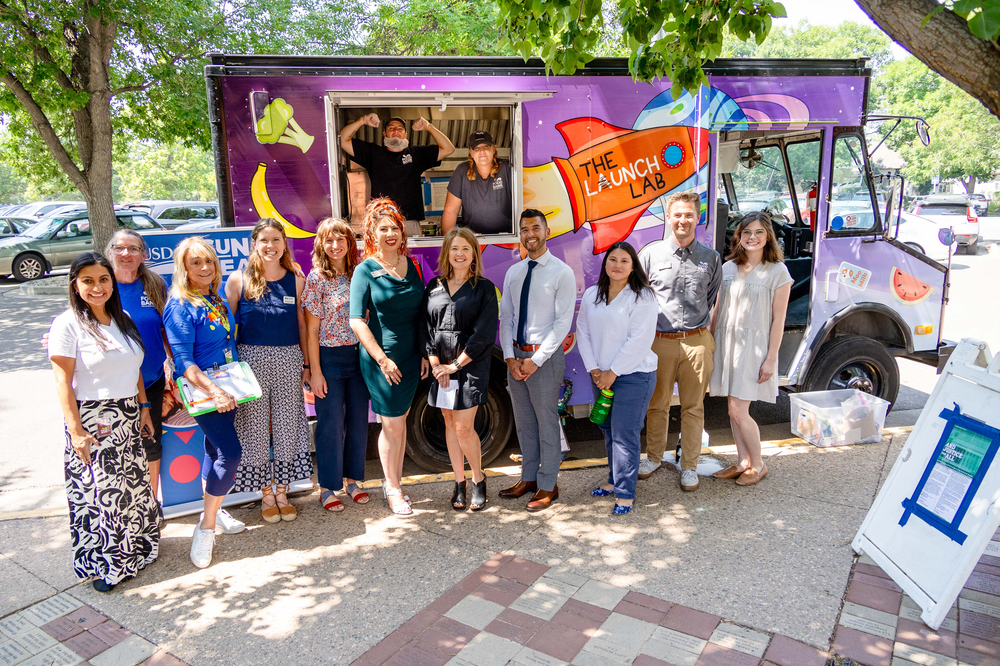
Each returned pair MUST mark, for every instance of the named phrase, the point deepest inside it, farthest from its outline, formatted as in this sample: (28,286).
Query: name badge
(666,266)
(289,300)
(229,355)
(379,273)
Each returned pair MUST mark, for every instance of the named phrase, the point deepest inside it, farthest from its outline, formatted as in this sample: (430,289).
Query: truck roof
(326,65)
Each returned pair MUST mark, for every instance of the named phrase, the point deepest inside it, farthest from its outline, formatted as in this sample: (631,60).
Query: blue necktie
(522,313)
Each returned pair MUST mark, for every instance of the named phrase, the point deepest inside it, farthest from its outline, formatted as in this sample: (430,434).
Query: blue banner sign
(232,245)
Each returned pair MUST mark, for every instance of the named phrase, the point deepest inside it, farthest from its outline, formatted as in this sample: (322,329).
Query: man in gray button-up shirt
(685,276)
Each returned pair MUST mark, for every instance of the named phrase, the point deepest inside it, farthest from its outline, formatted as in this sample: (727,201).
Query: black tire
(28,266)
(426,444)
(916,247)
(854,361)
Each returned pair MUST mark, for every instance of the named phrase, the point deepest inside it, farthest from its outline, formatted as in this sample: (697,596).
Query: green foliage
(664,38)
(432,27)
(166,171)
(983,16)
(965,137)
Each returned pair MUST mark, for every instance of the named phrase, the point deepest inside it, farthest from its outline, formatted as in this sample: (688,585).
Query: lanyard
(223,314)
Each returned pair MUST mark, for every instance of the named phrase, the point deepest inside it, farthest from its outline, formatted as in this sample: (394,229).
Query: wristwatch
(145,405)
(456,365)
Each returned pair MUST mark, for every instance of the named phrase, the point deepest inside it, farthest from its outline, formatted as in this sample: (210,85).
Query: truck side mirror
(925,137)
(946,236)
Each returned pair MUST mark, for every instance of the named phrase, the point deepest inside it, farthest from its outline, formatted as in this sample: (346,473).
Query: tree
(674,38)
(165,171)
(966,138)
(432,27)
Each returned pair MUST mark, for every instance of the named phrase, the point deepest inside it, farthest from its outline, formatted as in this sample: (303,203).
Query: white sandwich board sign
(940,505)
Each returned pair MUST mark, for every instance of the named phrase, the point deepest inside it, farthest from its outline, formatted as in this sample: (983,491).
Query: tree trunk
(969,183)
(945,45)
(100,203)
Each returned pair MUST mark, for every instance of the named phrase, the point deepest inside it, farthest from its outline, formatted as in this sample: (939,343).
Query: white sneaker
(646,468)
(689,480)
(228,524)
(202,542)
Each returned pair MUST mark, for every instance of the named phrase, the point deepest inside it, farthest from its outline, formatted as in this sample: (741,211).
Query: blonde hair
(152,284)
(376,211)
(254,283)
(334,227)
(199,247)
(472,172)
(692,198)
(444,266)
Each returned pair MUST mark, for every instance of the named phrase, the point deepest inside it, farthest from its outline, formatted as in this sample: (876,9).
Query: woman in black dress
(461,317)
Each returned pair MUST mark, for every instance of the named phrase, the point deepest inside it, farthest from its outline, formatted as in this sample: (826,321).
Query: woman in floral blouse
(341,394)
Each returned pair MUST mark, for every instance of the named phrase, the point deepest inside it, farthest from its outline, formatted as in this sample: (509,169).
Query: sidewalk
(725,576)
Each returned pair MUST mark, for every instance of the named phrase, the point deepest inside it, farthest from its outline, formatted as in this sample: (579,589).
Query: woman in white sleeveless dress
(747,322)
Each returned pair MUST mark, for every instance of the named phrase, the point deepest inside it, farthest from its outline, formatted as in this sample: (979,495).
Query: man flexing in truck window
(395,167)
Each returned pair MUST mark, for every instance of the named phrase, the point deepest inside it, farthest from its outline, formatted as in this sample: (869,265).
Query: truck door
(872,300)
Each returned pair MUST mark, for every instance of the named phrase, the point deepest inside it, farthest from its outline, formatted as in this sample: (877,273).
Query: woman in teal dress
(386,293)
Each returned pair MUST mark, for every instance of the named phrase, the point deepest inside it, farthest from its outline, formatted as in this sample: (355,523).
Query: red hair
(376,211)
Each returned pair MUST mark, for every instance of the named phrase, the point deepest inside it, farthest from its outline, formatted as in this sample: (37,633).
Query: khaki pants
(687,361)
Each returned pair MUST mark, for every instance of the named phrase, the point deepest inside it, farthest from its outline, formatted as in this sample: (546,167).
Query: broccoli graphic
(278,126)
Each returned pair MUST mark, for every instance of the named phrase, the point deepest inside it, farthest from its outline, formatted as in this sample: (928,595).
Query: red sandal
(359,496)
(330,501)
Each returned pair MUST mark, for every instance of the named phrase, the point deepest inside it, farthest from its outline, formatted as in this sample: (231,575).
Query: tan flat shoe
(752,476)
(287,511)
(730,472)
(269,507)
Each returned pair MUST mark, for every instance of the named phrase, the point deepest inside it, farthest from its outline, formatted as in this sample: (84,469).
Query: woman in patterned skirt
(96,353)
(748,321)
(336,381)
(267,300)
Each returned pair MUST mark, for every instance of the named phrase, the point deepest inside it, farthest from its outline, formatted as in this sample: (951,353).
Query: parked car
(56,241)
(981,203)
(172,214)
(956,212)
(40,209)
(922,235)
(200,225)
(12,226)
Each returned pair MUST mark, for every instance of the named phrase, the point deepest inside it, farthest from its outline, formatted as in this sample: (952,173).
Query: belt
(526,348)
(681,334)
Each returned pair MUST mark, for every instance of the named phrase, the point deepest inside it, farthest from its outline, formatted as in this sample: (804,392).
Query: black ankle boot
(478,500)
(458,499)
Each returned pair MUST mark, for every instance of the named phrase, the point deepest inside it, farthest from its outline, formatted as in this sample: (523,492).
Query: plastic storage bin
(838,418)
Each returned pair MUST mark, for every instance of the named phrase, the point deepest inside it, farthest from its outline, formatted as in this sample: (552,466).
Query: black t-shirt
(486,202)
(397,175)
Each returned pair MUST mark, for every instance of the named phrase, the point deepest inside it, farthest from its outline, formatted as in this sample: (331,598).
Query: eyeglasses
(759,233)
(126,249)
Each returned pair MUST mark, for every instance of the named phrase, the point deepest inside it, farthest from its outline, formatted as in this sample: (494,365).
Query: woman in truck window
(461,315)
(615,331)
(336,381)
(96,353)
(747,322)
(480,190)
(386,293)
(267,300)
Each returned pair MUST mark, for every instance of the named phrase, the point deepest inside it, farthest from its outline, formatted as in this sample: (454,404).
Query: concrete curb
(28,289)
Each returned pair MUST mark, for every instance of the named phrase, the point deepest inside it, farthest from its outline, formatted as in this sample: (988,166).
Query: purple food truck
(599,154)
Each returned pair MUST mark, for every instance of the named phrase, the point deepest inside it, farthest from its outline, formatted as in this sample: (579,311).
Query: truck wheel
(425,428)
(28,267)
(854,361)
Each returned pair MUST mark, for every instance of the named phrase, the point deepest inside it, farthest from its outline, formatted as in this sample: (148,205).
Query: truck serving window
(852,209)
(455,114)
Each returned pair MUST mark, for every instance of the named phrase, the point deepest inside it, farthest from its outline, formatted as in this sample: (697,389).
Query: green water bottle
(602,407)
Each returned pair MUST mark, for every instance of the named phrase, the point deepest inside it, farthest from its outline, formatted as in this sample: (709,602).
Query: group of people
(363,327)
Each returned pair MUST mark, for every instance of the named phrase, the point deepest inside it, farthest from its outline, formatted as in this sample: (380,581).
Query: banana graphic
(262,202)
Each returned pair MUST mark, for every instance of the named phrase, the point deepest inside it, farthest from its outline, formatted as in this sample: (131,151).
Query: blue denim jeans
(341,418)
(622,427)
(222,451)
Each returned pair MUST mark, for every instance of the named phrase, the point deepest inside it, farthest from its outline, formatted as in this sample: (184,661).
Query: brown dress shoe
(518,489)
(752,476)
(542,499)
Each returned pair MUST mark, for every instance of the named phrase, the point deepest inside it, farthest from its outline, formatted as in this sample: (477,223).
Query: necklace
(394,268)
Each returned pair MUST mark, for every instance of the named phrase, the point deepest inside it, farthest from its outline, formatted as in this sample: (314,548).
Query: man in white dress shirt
(536,312)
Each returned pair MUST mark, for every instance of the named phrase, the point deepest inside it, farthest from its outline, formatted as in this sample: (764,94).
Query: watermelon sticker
(854,276)
(907,289)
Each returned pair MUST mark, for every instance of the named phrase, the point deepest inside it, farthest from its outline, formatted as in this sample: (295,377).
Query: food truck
(599,154)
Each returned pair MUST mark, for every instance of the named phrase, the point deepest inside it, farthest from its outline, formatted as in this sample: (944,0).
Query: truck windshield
(851,206)
(760,183)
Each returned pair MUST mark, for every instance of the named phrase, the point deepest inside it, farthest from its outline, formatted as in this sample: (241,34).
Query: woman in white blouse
(615,330)
(96,351)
